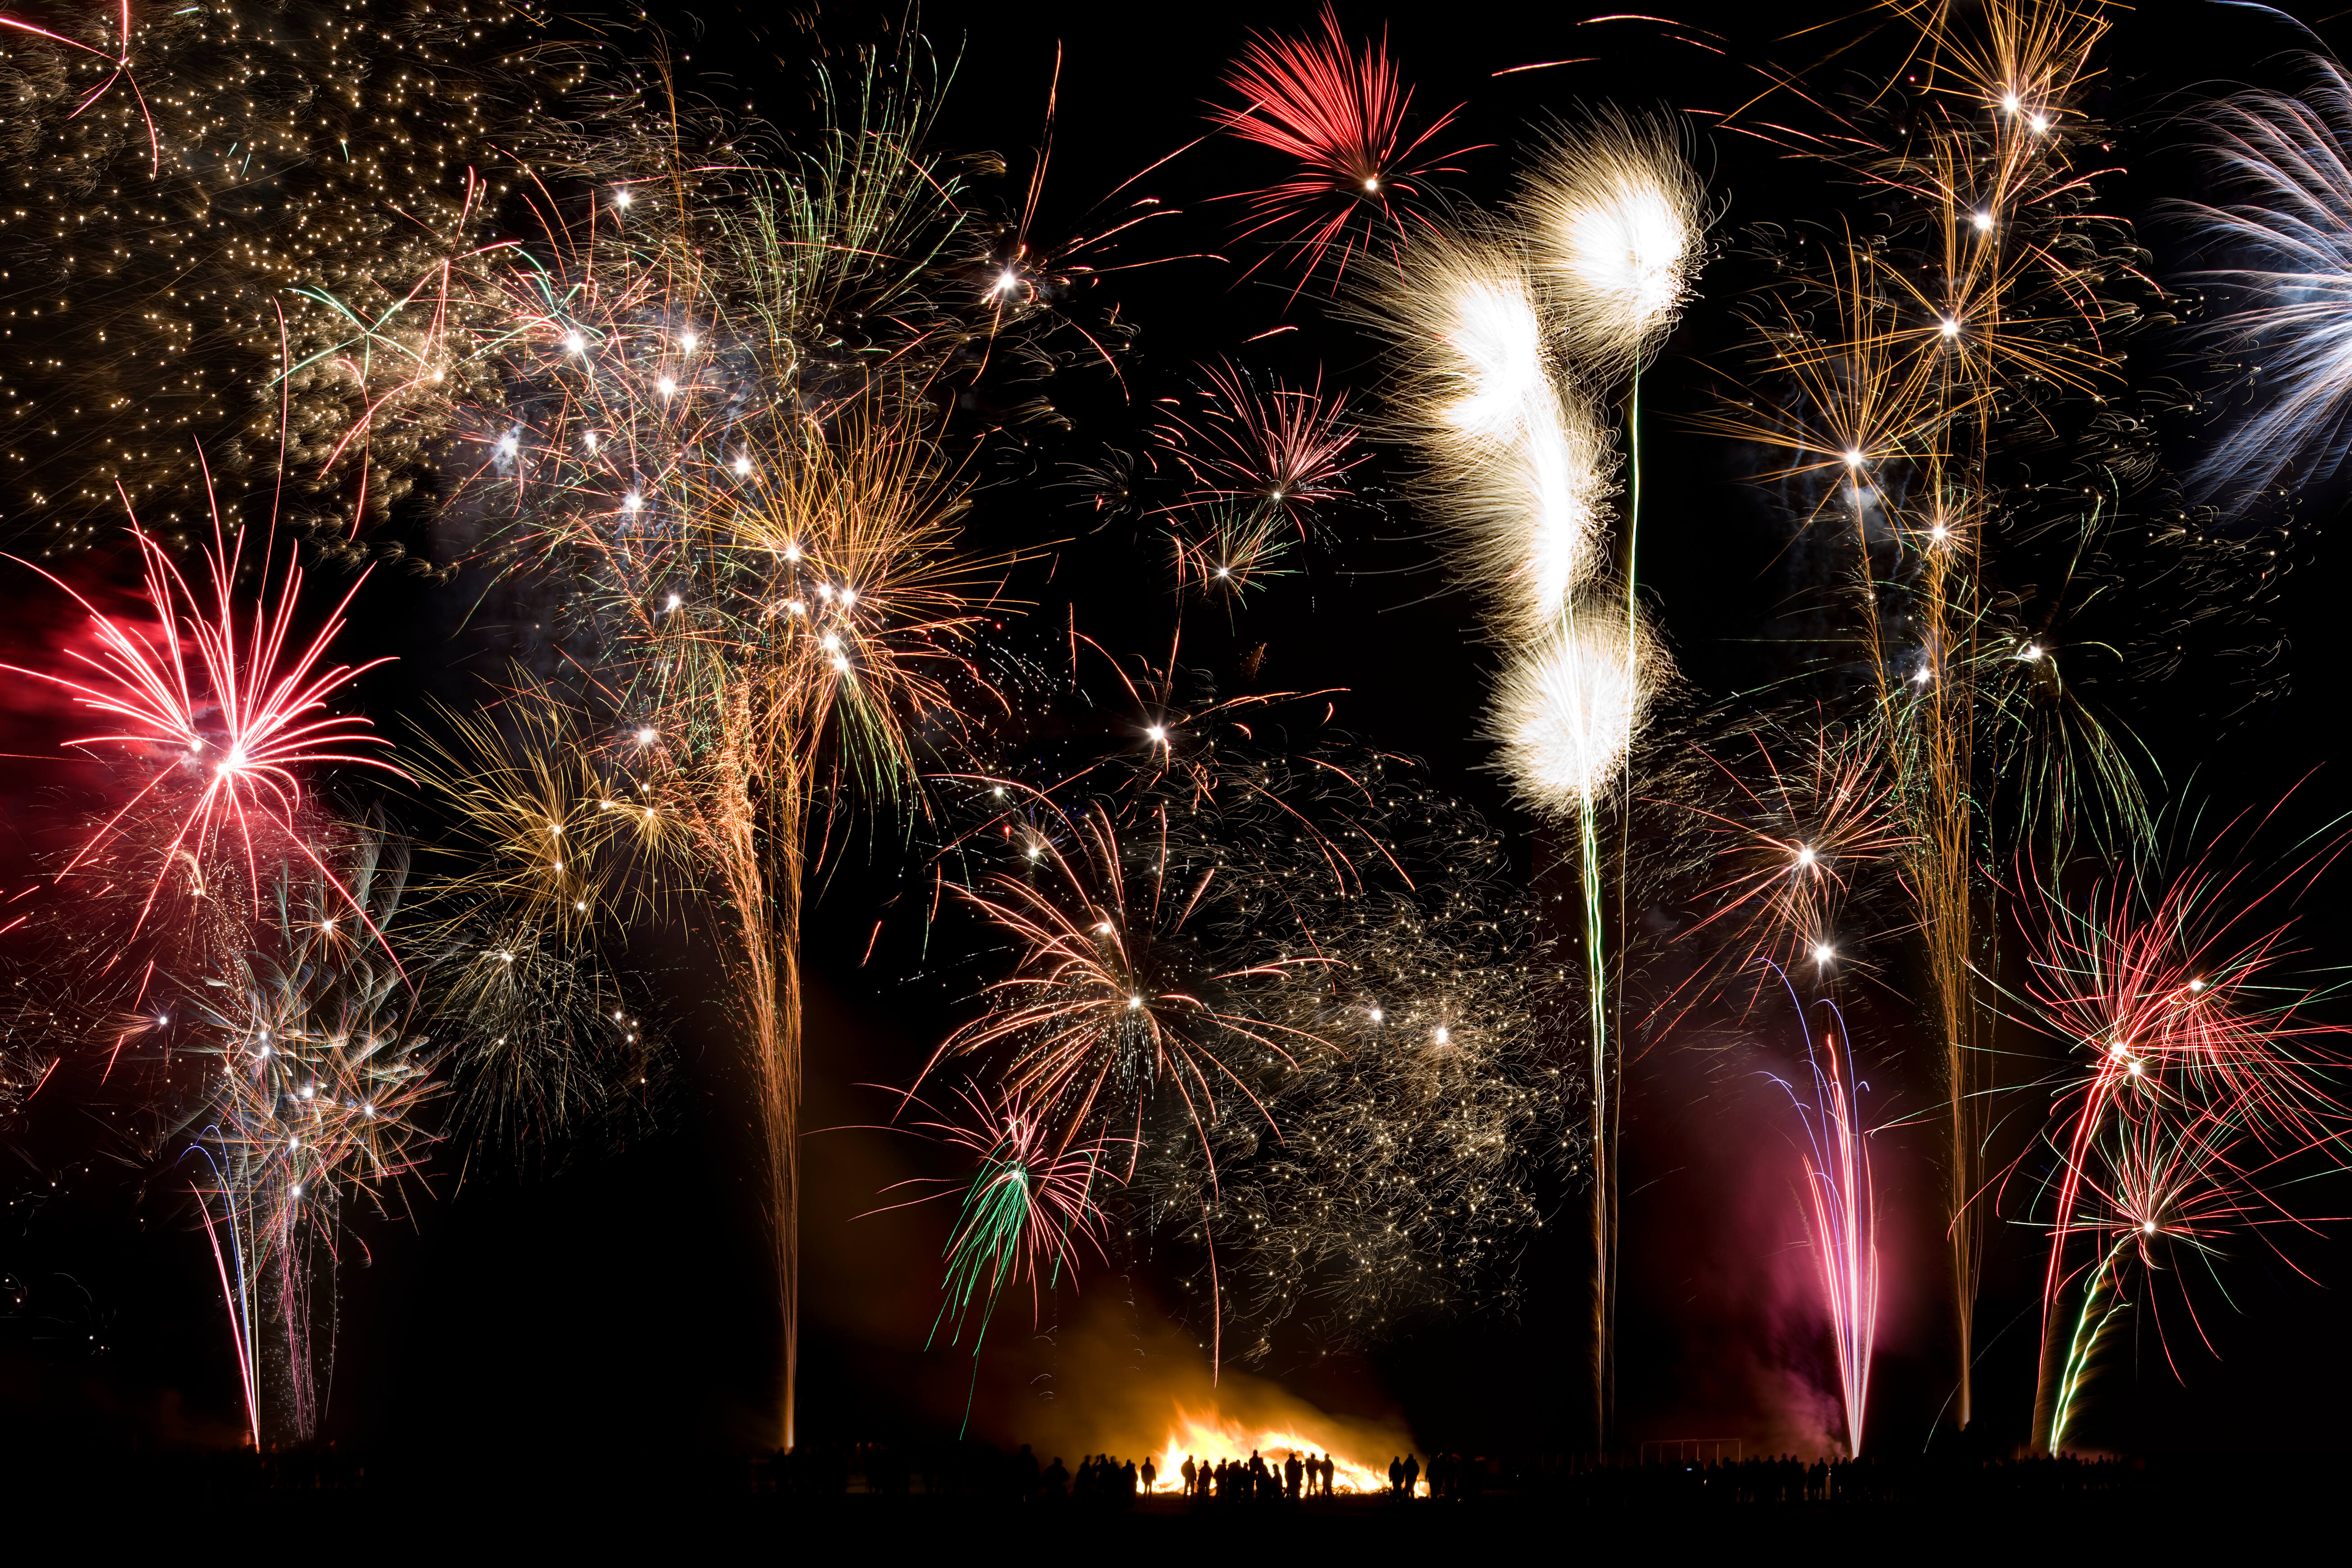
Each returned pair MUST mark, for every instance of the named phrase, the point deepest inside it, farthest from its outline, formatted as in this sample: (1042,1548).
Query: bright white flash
(1565,711)
(1618,213)
(1497,342)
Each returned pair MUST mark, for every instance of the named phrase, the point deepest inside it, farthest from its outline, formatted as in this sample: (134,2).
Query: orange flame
(1208,1438)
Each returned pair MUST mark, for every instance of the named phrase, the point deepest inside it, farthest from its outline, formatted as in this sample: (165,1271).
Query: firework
(1808,819)
(1841,1209)
(274,197)
(315,1103)
(2195,1073)
(1615,214)
(1516,462)
(1285,446)
(2283,231)
(1905,370)
(1111,1000)
(1566,713)
(1030,1201)
(552,856)
(717,439)
(223,710)
(1293,990)
(1340,116)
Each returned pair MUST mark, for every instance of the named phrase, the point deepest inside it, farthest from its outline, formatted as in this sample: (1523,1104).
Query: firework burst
(2197,1072)
(223,712)
(1616,214)
(317,1102)
(2283,224)
(1341,115)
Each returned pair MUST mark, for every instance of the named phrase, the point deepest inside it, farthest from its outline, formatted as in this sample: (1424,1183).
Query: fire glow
(1206,1438)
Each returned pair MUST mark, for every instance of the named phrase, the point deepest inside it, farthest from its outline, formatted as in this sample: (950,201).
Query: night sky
(610,1291)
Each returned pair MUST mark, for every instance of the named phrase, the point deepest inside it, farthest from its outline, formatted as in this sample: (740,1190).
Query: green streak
(2090,1328)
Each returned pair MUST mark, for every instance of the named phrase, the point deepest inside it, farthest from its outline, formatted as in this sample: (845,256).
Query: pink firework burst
(1341,115)
(1286,446)
(221,707)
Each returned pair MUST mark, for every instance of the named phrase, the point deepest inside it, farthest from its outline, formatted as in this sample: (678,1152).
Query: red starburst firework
(1341,115)
(220,706)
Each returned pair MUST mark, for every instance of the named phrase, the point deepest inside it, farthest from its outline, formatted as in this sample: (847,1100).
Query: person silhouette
(1192,1474)
(1056,1479)
(1412,1473)
(1024,1473)
(1151,1473)
(1396,1474)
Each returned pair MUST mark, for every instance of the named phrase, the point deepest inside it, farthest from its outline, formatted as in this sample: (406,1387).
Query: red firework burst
(1341,116)
(220,706)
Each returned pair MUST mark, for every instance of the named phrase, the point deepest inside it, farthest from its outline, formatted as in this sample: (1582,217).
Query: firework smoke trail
(1341,116)
(2283,167)
(2202,1076)
(222,706)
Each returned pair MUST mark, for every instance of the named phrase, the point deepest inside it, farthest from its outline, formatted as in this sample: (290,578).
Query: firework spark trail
(2284,166)
(1907,369)
(1369,1081)
(224,711)
(318,1101)
(1341,116)
(1841,1204)
(2203,1075)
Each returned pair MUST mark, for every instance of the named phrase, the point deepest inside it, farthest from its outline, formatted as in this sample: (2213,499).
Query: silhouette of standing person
(1396,1474)
(1151,1473)
(1192,1475)
(1024,1473)
(1412,1473)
